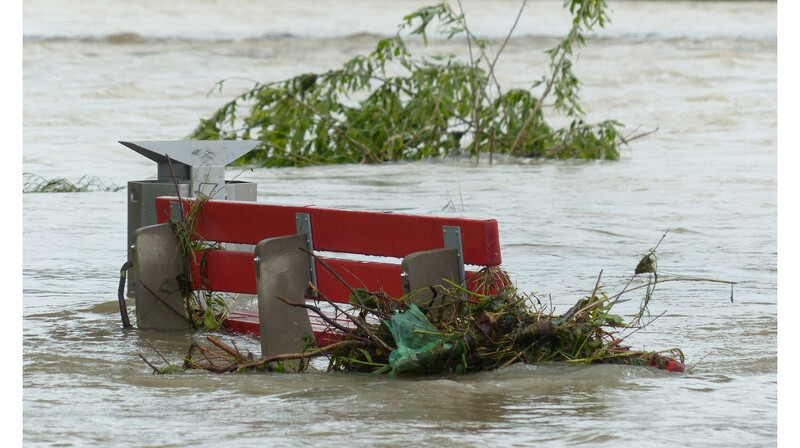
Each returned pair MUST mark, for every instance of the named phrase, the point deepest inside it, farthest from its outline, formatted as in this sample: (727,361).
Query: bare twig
(163,303)
(358,322)
(338,277)
(155,369)
(575,308)
(319,312)
(226,348)
(174,180)
(681,279)
(617,341)
(305,355)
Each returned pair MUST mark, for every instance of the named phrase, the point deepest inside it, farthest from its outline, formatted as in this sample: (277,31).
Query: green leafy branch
(393,105)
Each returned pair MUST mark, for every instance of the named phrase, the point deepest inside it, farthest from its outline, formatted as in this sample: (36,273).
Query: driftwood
(236,361)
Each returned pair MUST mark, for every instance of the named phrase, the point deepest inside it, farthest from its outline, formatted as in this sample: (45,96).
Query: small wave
(602,232)
(123,38)
(758,41)
(128,38)
(116,38)
(683,230)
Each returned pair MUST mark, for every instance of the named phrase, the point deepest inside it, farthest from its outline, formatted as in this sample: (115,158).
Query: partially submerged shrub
(393,105)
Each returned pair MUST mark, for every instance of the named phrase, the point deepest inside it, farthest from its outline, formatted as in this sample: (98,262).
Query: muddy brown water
(704,74)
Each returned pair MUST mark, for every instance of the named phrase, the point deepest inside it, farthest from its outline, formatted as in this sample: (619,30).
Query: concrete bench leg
(157,263)
(282,269)
(428,269)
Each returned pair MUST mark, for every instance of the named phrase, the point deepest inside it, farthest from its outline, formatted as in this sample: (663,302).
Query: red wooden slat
(246,322)
(371,276)
(225,271)
(347,231)
(234,271)
(397,235)
(238,221)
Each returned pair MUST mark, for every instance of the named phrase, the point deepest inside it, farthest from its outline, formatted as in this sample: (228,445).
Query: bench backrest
(333,230)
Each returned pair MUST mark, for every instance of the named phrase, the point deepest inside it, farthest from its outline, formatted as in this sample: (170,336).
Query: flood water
(704,74)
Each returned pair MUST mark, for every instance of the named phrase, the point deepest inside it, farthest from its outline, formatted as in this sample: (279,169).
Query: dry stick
(502,47)
(192,348)
(682,279)
(597,284)
(616,342)
(613,299)
(475,107)
(342,281)
(157,352)
(202,352)
(211,367)
(357,321)
(217,354)
(633,136)
(499,52)
(510,361)
(310,354)
(659,241)
(329,269)
(225,347)
(524,131)
(624,290)
(593,305)
(550,82)
(319,312)
(155,369)
(162,302)
(174,180)
(576,308)
(248,356)
(483,88)
(691,368)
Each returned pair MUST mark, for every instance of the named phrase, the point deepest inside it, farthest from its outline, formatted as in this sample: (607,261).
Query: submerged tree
(393,105)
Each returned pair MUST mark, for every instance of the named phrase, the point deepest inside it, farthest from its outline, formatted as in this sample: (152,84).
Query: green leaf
(210,320)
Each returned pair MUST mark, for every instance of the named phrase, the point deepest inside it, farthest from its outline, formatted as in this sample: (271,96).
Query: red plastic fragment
(675,366)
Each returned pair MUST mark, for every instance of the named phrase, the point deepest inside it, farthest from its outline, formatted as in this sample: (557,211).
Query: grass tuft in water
(34,183)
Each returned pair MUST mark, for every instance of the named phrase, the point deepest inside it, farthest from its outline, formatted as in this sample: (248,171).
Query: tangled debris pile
(491,333)
(458,332)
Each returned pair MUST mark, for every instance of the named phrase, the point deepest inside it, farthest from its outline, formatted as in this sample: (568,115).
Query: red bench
(328,232)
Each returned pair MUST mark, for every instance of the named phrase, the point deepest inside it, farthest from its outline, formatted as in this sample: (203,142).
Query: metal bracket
(304,228)
(207,189)
(452,240)
(176,211)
